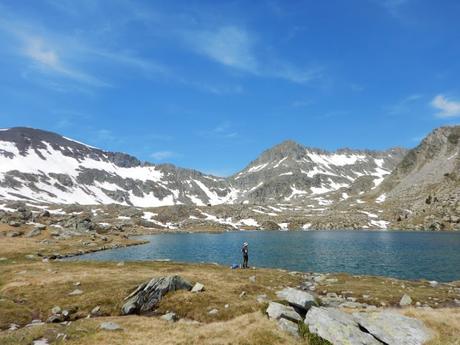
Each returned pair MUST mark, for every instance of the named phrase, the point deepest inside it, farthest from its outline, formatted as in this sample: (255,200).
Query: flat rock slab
(298,298)
(278,311)
(337,327)
(393,328)
(148,295)
(110,326)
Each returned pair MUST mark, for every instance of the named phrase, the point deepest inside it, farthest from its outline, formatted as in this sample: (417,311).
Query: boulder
(76,292)
(36,231)
(55,318)
(148,295)
(337,327)
(56,310)
(289,327)
(171,317)
(405,300)
(110,326)
(393,328)
(297,298)
(96,311)
(14,233)
(198,287)
(278,311)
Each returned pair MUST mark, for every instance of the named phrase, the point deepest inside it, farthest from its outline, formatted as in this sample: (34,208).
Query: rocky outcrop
(297,298)
(337,327)
(366,328)
(278,311)
(393,328)
(146,297)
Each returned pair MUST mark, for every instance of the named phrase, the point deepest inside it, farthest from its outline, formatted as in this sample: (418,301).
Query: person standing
(245,251)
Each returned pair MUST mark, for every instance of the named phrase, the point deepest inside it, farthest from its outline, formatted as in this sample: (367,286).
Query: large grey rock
(148,295)
(278,311)
(289,327)
(298,298)
(393,328)
(36,231)
(337,327)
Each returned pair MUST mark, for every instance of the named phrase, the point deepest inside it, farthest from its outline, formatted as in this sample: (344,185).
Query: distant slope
(290,172)
(424,188)
(43,166)
(37,165)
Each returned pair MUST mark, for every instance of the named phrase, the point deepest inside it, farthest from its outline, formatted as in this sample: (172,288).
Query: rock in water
(393,328)
(280,311)
(297,298)
(148,295)
(405,300)
(337,327)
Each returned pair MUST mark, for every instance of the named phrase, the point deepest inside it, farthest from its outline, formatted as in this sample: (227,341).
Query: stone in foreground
(110,326)
(297,298)
(393,328)
(405,300)
(278,311)
(337,327)
(148,295)
(289,327)
(198,287)
(170,317)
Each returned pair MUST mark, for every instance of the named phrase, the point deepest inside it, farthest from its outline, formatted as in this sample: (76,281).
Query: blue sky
(210,84)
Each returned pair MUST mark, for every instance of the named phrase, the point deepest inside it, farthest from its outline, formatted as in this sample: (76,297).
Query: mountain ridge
(286,172)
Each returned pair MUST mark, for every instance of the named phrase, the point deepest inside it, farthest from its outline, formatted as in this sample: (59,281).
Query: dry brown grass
(444,324)
(248,329)
(36,287)
(30,288)
(389,290)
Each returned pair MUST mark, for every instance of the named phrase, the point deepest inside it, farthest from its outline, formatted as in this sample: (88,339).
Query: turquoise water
(407,255)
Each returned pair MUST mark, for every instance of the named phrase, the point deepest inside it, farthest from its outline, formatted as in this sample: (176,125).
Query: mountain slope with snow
(37,165)
(290,172)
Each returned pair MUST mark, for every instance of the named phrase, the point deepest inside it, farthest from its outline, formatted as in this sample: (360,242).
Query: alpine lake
(404,255)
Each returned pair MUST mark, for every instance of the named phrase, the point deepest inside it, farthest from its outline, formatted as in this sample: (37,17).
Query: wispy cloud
(447,108)
(162,155)
(225,130)
(236,47)
(228,45)
(404,105)
(46,58)
(67,61)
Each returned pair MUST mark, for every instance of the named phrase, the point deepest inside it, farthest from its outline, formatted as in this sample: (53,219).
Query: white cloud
(47,59)
(448,108)
(235,47)
(162,155)
(228,45)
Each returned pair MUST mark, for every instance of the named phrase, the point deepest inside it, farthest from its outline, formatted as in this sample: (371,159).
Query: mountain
(424,188)
(292,173)
(37,165)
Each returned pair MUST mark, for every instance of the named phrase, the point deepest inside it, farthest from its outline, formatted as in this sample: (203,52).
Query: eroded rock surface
(148,295)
